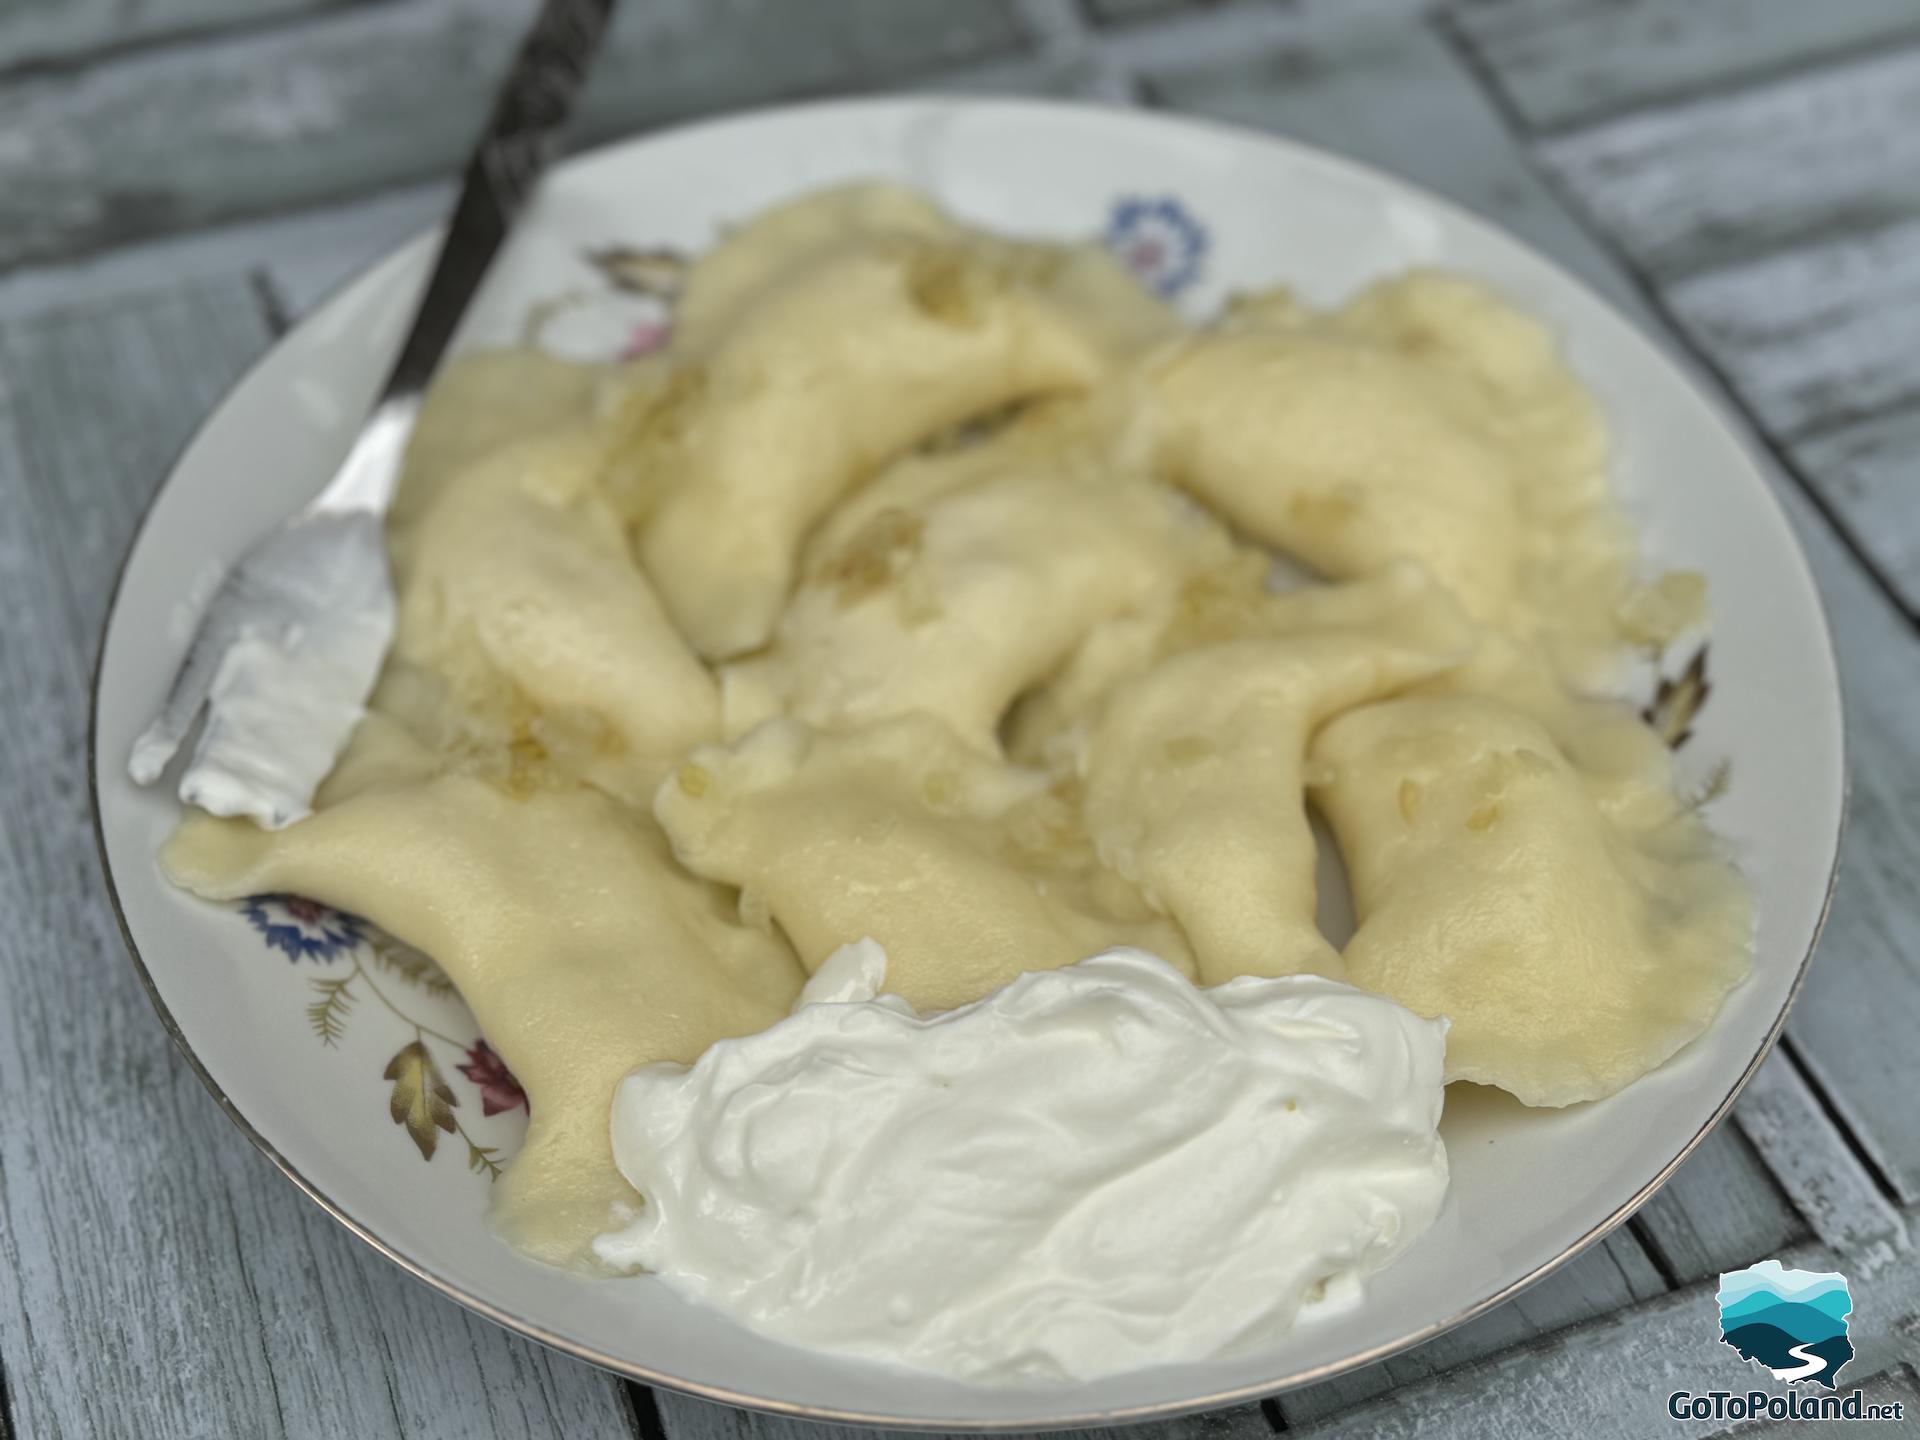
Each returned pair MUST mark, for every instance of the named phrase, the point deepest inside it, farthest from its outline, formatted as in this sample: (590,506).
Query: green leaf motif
(328,1014)
(408,964)
(480,1157)
(1677,702)
(421,1100)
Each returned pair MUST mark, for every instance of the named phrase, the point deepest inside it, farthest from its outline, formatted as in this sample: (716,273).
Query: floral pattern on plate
(1159,240)
(302,929)
(380,968)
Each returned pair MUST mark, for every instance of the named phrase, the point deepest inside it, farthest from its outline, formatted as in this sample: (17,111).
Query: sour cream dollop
(1093,1169)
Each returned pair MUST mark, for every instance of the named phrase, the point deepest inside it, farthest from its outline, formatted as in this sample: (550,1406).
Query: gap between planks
(1562,65)
(93,32)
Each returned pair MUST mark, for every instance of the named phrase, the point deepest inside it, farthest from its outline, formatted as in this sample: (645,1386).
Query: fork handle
(520,139)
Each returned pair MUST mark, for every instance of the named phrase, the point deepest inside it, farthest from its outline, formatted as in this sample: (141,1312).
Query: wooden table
(180,178)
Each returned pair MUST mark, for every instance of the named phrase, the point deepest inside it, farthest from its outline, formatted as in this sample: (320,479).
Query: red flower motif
(647,338)
(498,1089)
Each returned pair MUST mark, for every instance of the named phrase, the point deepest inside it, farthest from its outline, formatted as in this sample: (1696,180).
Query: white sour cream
(1093,1169)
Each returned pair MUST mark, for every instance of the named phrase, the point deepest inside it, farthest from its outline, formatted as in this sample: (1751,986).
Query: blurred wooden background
(181,178)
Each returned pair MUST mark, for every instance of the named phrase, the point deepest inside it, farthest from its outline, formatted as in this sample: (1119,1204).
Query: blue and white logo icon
(1793,1322)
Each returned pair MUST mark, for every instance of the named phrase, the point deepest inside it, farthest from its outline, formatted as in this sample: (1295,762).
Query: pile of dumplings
(951,590)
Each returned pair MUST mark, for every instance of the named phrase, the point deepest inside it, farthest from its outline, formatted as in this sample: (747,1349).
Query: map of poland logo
(1793,1322)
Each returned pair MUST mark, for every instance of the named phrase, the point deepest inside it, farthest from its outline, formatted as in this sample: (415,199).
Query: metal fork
(291,642)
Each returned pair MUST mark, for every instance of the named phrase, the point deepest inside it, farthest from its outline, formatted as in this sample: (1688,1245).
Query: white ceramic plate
(1202,211)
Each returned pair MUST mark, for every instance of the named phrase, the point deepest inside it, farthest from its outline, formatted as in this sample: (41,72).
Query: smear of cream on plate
(1091,1170)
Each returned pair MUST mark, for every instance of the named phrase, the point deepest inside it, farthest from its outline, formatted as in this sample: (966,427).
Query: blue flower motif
(302,929)
(1158,241)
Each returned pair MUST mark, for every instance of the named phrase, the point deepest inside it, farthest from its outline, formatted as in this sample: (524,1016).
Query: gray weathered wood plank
(1563,62)
(1867,473)
(1180,15)
(1386,96)
(1394,96)
(1720,1211)
(1058,61)
(1120,12)
(37,31)
(1841,1200)
(165,1280)
(1855,1021)
(304,258)
(1610,1380)
(1818,336)
(1219,31)
(1796,160)
(304,252)
(385,95)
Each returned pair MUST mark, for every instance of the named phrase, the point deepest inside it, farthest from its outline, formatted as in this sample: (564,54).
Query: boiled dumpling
(968,872)
(480,403)
(846,358)
(730,277)
(1193,768)
(517,592)
(972,575)
(1573,950)
(1235,600)
(1574,591)
(581,948)
(1426,420)
(1343,453)
(1051,433)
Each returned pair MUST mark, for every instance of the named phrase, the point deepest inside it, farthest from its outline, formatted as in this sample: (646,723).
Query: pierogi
(956,600)
(920,590)
(1572,949)
(1423,420)
(1194,768)
(967,871)
(836,359)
